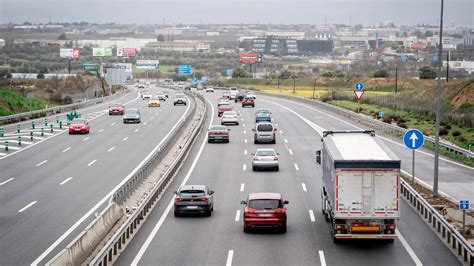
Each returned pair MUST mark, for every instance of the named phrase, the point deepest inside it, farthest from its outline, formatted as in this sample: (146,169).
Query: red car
(223,108)
(116,109)
(265,210)
(79,126)
(248,102)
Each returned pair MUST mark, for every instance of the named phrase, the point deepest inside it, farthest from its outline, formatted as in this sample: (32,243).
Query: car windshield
(191,193)
(131,112)
(78,121)
(224,103)
(264,204)
(218,128)
(265,127)
(265,153)
(116,105)
(230,113)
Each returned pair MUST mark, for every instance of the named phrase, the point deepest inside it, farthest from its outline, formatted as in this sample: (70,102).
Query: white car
(209,89)
(251,95)
(146,95)
(265,159)
(233,94)
(229,117)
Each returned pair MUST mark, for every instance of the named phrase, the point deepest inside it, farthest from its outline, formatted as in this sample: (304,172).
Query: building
(180,46)
(315,46)
(468,38)
(462,53)
(288,46)
(2,43)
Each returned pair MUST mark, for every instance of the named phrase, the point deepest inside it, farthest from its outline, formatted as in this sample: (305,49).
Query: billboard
(125,66)
(148,64)
(418,45)
(70,53)
(99,52)
(250,58)
(127,52)
(230,72)
(185,69)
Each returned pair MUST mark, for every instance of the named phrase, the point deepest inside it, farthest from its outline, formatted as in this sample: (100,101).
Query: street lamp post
(314,87)
(294,84)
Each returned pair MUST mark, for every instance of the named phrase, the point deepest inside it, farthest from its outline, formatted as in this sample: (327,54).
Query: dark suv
(195,199)
(240,95)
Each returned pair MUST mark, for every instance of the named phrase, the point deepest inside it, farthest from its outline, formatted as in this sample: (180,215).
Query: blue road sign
(359,86)
(230,72)
(204,78)
(434,58)
(381,114)
(464,205)
(185,69)
(413,139)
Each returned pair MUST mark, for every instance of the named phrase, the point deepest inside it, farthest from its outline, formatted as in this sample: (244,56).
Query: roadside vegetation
(12,103)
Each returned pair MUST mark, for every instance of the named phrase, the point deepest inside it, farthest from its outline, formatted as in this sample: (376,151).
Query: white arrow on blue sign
(464,205)
(414,139)
(359,86)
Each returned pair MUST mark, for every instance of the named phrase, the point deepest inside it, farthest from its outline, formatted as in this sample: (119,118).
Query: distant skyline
(366,12)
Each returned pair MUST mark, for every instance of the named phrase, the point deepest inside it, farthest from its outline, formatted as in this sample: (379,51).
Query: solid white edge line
(304,186)
(242,186)
(311,216)
(6,181)
(27,206)
(322,258)
(92,162)
(66,180)
(296,167)
(230,256)
(68,148)
(41,163)
(237,215)
(111,149)
(408,248)
(147,243)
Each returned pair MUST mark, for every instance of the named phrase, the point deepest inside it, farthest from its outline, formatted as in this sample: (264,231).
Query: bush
(381,73)
(443,132)
(403,125)
(387,120)
(456,133)
(448,127)
(427,72)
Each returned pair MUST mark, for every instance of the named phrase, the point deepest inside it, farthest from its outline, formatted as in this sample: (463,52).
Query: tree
(428,33)
(62,36)
(40,76)
(427,72)
(240,73)
(285,74)
(381,73)
(198,75)
(160,38)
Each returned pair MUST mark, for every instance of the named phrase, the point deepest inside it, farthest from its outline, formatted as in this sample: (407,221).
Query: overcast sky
(367,12)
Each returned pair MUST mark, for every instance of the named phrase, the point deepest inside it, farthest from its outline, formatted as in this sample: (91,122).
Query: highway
(51,191)
(226,169)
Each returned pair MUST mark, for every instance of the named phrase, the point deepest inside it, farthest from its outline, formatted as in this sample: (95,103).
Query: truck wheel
(390,241)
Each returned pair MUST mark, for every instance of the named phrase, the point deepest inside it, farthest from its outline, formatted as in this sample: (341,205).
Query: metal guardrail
(62,108)
(387,128)
(459,245)
(125,232)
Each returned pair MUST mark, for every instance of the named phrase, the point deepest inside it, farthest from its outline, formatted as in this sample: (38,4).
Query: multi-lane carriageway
(32,235)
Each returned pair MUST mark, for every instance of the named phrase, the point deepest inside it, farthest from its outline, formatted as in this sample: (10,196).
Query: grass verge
(13,103)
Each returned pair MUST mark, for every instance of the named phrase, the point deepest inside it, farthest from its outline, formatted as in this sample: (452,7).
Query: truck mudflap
(365,236)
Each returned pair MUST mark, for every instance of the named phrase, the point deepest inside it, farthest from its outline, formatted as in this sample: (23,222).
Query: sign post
(464,205)
(413,139)
(359,92)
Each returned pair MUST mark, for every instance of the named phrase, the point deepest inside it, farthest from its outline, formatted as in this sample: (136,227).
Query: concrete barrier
(81,247)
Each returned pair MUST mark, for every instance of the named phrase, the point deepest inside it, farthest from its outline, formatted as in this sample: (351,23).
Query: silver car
(264,132)
(178,99)
(132,116)
(265,159)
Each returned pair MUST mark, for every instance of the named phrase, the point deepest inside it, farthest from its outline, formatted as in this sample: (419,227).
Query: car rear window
(264,127)
(265,153)
(218,128)
(131,111)
(192,193)
(264,204)
(230,113)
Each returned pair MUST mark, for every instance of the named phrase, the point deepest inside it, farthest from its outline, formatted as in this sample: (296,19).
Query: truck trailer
(359,197)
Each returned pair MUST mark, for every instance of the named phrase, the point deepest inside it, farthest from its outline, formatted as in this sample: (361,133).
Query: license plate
(192,207)
(77,129)
(265,214)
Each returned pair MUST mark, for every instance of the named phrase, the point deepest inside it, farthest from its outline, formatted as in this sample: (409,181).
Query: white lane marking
(86,139)
(290,151)
(408,248)
(245,140)
(237,215)
(311,216)
(242,119)
(244,167)
(91,163)
(230,255)
(145,123)
(171,203)
(41,163)
(111,149)
(350,124)
(286,141)
(245,131)
(11,147)
(2,154)
(322,258)
(66,180)
(100,130)
(68,148)
(136,130)
(242,186)
(245,152)
(151,118)
(27,206)
(276,124)
(304,186)
(125,139)
(6,181)
(296,167)
(113,123)
(243,125)
(281,132)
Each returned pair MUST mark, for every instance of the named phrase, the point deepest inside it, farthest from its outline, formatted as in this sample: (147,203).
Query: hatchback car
(218,133)
(265,210)
(116,109)
(222,101)
(154,102)
(193,199)
(79,126)
(132,116)
(161,96)
(265,159)
(264,132)
(229,117)
(179,99)
(248,101)
(146,94)
(209,89)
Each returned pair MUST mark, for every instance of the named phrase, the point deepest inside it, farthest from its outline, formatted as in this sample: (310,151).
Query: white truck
(359,197)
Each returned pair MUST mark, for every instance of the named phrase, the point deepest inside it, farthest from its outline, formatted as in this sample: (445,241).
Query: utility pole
(438,105)
(69,65)
(447,67)
(278,84)
(396,79)
(294,84)
(314,87)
